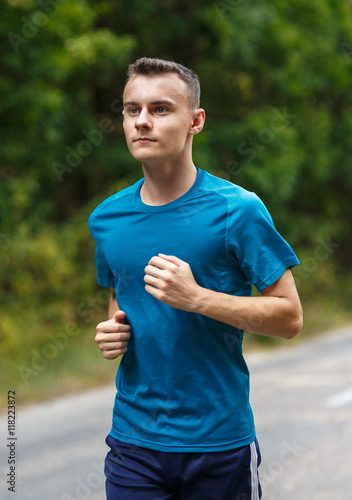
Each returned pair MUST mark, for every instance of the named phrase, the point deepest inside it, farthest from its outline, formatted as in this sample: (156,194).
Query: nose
(143,120)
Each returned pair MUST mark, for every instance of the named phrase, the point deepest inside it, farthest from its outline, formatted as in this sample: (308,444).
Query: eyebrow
(154,103)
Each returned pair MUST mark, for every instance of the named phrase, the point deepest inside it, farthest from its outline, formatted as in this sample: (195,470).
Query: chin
(146,156)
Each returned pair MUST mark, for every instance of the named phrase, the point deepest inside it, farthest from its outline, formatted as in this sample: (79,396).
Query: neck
(165,183)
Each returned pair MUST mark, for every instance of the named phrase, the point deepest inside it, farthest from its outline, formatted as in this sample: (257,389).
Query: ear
(197,122)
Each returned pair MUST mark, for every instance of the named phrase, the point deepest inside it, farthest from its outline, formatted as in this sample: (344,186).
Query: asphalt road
(302,401)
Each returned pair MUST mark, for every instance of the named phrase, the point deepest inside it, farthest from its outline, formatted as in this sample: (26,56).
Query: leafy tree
(275,79)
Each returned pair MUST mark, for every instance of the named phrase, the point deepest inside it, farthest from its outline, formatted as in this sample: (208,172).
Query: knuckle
(123,336)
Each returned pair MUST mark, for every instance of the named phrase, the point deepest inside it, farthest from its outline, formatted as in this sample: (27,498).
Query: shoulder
(237,197)
(112,203)
(244,208)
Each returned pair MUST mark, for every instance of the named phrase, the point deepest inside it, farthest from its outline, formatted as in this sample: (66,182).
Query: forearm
(113,306)
(278,313)
(269,316)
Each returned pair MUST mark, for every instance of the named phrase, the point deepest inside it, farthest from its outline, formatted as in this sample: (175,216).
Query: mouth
(144,140)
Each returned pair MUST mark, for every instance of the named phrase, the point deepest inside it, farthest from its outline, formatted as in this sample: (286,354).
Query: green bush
(275,79)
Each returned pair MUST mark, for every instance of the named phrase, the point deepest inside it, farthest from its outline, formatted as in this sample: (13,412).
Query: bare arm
(113,306)
(276,313)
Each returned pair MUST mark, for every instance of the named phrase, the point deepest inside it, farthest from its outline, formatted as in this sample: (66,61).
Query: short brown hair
(147,66)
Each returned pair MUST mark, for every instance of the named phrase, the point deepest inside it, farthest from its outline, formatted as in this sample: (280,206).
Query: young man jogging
(180,250)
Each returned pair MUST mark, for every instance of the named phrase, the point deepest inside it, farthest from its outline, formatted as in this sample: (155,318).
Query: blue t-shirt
(183,384)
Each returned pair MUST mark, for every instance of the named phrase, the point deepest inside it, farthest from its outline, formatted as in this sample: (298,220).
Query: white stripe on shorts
(254,472)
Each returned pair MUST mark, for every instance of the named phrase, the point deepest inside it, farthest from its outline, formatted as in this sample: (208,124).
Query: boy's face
(157,117)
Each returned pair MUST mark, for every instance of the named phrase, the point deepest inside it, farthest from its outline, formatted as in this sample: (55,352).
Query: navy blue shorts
(134,473)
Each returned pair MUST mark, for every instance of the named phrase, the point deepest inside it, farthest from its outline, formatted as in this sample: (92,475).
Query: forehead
(144,89)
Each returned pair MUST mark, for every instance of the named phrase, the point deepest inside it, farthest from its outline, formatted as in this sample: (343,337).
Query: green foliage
(275,79)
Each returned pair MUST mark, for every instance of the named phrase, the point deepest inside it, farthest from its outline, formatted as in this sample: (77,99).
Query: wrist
(199,300)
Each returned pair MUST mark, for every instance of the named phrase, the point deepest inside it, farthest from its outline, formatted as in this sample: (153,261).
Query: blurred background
(276,87)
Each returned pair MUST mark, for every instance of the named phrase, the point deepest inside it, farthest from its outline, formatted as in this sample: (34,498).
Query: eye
(132,111)
(161,110)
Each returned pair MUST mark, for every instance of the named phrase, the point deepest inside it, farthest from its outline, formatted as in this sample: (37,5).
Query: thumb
(119,316)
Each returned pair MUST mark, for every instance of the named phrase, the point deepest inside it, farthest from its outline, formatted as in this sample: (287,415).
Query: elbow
(294,327)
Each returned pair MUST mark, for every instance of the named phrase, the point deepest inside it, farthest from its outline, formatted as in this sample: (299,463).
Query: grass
(39,372)
(36,378)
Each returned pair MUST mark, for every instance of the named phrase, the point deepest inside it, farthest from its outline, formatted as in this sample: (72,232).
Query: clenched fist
(170,280)
(113,335)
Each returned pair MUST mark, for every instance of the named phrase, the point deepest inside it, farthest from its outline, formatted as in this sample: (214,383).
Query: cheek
(128,129)
(178,132)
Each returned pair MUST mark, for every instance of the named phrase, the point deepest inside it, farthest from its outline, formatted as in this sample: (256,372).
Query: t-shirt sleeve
(253,241)
(105,277)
